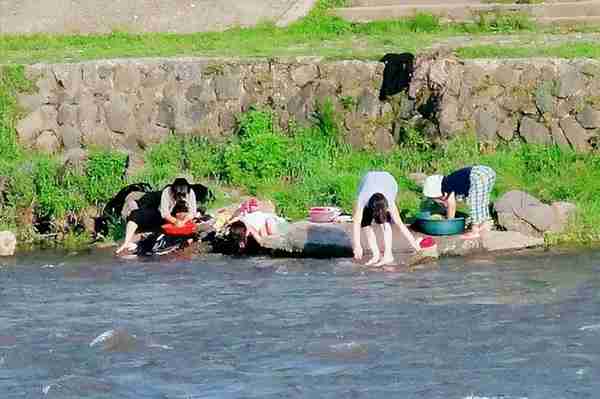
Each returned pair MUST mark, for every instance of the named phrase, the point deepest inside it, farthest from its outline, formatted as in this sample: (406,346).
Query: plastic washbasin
(443,227)
(323,214)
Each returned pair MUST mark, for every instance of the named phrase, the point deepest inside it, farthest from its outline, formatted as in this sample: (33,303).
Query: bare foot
(487,226)
(470,235)
(387,260)
(372,261)
(126,246)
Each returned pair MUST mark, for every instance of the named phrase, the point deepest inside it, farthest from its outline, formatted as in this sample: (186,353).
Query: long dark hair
(378,204)
(180,206)
(180,188)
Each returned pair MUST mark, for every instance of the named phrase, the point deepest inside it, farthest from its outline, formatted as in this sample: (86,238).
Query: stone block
(128,78)
(570,83)
(118,113)
(75,159)
(589,118)
(68,114)
(228,87)
(384,141)
(203,92)
(507,128)
(509,240)
(506,76)
(558,137)
(368,104)
(47,142)
(563,212)
(44,118)
(486,125)
(534,132)
(577,136)
(8,243)
(29,102)
(305,74)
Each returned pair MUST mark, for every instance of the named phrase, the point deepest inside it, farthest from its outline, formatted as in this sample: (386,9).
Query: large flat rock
(328,240)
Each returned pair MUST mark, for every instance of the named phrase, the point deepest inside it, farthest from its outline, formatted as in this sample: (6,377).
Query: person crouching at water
(473,183)
(149,219)
(376,203)
(247,232)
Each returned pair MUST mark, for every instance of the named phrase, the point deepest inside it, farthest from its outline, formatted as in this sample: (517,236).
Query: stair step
(588,20)
(411,3)
(466,11)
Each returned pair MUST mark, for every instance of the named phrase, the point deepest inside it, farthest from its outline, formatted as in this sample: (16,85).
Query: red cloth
(249,206)
(427,242)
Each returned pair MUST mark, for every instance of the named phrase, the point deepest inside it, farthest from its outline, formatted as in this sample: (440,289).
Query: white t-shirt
(256,219)
(377,182)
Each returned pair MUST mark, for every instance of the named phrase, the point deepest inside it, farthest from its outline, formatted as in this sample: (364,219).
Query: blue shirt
(458,182)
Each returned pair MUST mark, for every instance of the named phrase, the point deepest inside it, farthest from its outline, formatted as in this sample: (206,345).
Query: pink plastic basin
(323,214)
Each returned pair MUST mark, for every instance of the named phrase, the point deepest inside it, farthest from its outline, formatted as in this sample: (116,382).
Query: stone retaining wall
(131,104)
(541,101)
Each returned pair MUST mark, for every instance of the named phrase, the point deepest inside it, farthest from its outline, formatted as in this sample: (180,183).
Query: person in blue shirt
(473,183)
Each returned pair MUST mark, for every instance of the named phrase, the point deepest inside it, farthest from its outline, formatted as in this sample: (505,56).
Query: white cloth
(257,219)
(167,202)
(377,182)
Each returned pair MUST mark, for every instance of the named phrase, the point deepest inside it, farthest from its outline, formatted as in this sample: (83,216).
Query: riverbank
(298,167)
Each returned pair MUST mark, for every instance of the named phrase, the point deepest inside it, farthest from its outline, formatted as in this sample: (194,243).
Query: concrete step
(412,3)
(417,3)
(466,11)
(570,21)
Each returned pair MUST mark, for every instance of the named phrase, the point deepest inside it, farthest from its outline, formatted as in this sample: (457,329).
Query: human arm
(451,206)
(192,205)
(395,215)
(357,215)
(166,206)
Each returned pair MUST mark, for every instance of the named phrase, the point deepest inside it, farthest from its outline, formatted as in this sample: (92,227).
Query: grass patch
(319,33)
(565,50)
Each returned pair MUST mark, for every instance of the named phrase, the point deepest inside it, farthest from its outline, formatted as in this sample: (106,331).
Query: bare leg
(372,242)
(473,234)
(388,258)
(130,230)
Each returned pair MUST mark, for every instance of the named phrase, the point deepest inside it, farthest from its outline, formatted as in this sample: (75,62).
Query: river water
(93,326)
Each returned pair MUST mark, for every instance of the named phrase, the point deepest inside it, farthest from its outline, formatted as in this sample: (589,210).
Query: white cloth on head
(377,182)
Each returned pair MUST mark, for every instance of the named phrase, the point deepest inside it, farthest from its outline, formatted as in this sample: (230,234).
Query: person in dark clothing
(474,184)
(397,74)
(151,218)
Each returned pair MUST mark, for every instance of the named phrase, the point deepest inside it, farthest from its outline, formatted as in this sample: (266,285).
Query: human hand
(179,223)
(358,252)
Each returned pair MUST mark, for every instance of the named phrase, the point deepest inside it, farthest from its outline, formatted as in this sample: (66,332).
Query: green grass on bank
(318,34)
(298,168)
(582,49)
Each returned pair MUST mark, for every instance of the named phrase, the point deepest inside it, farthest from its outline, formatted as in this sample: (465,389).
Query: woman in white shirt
(254,226)
(376,203)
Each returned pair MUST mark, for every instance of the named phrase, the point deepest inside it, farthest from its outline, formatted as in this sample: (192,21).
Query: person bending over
(253,227)
(473,183)
(150,219)
(376,203)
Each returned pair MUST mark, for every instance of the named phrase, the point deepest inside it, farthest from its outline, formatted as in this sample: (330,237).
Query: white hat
(433,186)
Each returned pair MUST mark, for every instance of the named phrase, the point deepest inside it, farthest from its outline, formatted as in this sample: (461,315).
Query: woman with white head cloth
(475,184)
(377,203)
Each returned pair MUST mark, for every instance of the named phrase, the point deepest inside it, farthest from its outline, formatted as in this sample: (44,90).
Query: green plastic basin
(443,227)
